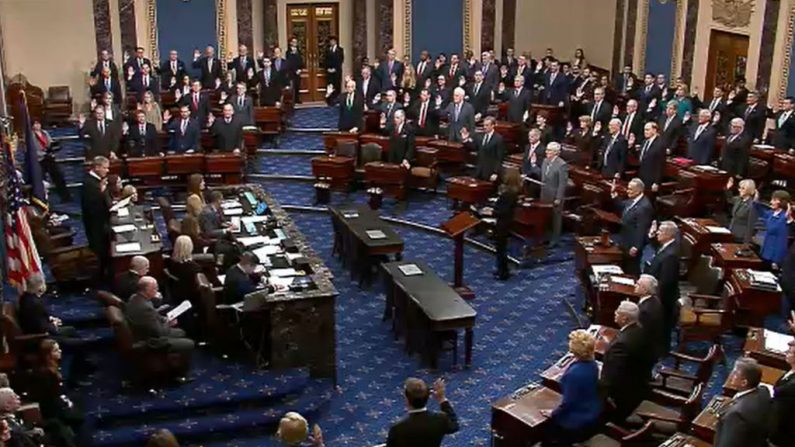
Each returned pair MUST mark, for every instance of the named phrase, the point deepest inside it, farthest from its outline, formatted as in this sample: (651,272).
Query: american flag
(22,257)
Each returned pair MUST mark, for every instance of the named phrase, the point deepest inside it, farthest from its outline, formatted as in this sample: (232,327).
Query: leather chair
(108,299)
(670,412)
(424,173)
(615,436)
(174,230)
(147,366)
(23,347)
(704,277)
(214,325)
(679,380)
(58,105)
(369,152)
(707,318)
(69,264)
(347,149)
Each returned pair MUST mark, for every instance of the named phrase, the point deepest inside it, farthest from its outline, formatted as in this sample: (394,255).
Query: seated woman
(184,268)
(777,219)
(62,419)
(130,191)
(743,214)
(196,186)
(114,188)
(578,415)
(189,226)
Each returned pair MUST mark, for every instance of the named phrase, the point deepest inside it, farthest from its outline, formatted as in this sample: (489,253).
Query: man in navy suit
(534,153)
(755,116)
(241,64)
(649,97)
(270,84)
(242,104)
(278,62)
(518,101)
(745,420)
(613,158)
(295,63)
(401,141)
(632,122)
(636,216)
(664,266)
(652,315)
(105,61)
(240,279)
(146,83)
(783,135)
(556,86)
(142,139)
(186,133)
(209,65)
(172,70)
(106,83)
(369,87)
(701,139)
(351,106)
(480,96)
(454,70)
(423,428)
(137,62)
(197,102)
(783,430)
(390,71)
(425,115)
(490,70)
(490,150)
(670,126)
(600,111)
(651,156)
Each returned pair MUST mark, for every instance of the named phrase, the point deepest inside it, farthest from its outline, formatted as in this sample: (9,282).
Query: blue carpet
(314,118)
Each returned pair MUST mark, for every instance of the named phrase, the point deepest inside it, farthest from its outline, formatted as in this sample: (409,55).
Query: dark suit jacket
(146,145)
(167,74)
(744,422)
(652,320)
(783,136)
(518,105)
(386,75)
(401,144)
(452,74)
(626,368)
(294,61)
(33,315)
(700,149)
(190,140)
(735,155)
(540,151)
(335,59)
(603,114)
(100,143)
(240,67)
(665,267)
(466,118)
(645,97)
(140,89)
(489,156)
(613,155)
(227,136)
(754,120)
(199,110)
(127,285)
(431,125)
(353,116)
(491,74)
(783,430)
(480,101)
(423,429)
(114,69)
(144,321)
(389,111)
(635,127)
(208,75)
(211,221)
(653,162)
(237,285)
(635,223)
(428,71)
(270,87)
(555,92)
(743,218)
(670,135)
(96,216)
(245,114)
(100,88)
(373,88)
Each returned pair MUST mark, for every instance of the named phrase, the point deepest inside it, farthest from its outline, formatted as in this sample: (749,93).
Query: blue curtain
(184,26)
(437,26)
(660,36)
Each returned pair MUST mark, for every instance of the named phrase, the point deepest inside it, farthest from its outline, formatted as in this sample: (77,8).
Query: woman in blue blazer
(777,219)
(577,417)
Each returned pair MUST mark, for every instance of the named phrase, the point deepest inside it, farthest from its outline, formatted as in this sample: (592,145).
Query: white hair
(637,182)
(669,228)
(616,121)
(554,147)
(648,283)
(629,309)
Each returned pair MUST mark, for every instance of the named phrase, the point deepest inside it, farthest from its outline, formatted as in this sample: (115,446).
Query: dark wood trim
(769,31)
(618,37)
(688,47)
(487,25)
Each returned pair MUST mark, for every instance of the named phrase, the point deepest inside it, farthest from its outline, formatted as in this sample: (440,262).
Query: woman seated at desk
(114,188)
(577,417)
(197,186)
(777,219)
(182,267)
(743,214)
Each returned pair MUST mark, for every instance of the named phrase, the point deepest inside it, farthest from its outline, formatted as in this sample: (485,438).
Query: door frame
(709,77)
(313,85)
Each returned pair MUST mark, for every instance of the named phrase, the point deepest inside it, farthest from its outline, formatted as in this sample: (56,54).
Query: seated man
(18,434)
(186,132)
(33,316)
(422,427)
(745,421)
(211,219)
(490,150)
(142,138)
(148,326)
(240,279)
(127,282)
(227,131)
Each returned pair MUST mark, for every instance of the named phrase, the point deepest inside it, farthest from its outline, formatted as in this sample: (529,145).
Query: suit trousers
(630,264)
(51,168)
(557,224)
(501,246)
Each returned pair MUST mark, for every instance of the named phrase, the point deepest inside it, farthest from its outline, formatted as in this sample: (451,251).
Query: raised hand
(210,120)
(730,183)
(615,110)
(173,82)
(167,115)
(597,126)
(81,119)
(438,101)
(464,133)
(260,55)
(631,140)
(125,128)
(439,390)
(462,81)
(178,94)
(196,54)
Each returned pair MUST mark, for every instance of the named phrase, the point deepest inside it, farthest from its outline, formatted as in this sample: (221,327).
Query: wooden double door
(727,60)
(312,24)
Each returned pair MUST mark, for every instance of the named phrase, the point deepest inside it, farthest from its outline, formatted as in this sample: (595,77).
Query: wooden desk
(339,170)
(704,424)
(753,304)
(469,190)
(609,294)
(604,335)
(145,234)
(516,419)
(700,236)
(426,308)
(770,376)
(755,347)
(784,166)
(551,376)
(589,251)
(683,440)
(726,257)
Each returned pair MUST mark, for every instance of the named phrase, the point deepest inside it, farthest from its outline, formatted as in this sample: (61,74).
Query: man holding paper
(148,326)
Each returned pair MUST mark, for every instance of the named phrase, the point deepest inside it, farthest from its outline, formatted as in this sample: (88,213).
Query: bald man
(127,283)
(148,326)
(701,139)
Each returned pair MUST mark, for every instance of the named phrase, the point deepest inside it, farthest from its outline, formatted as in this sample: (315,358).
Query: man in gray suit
(242,105)
(151,328)
(460,114)
(744,420)
(744,213)
(554,173)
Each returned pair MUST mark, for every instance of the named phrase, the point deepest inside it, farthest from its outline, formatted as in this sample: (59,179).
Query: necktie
(196,101)
(627,123)
(713,105)
(487,139)
(227,120)
(783,119)
(595,111)
(146,81)
(107,84)
(243,61)
(516,93)
(422,113)
(546,171)
(609,146)
(142,130)
(457,111)
(240,102)
(452,71)
(485,69)
(421,68)
(477,89)
(173,66)
(350,101)
(140,62)
(645,147)
(552,78)
(732,138)
(278,64)
(209,64)
(531,151)
(748,111)
(184,126)
(102,127)
(667,122)
(391,64)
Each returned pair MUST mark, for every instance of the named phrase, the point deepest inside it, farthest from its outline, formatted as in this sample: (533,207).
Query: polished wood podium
(455,228)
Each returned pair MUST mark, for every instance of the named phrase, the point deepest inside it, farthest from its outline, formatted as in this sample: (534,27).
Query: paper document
(233,211)
(253,240)
(235,221)
(230,204)
(283,273)
(600,271)
(123,228)
(123,212)
(706,168)
(350,214)
(123,203)
(263,252)
(253,219)
(128,247)
(280,233)
(375,234)
(280,282)
(221,279)
(622,280)
(776,341)
(174,313)
(717,230)
(410,269)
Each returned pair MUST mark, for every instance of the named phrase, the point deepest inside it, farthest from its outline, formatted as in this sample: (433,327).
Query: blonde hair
(183,249)
(293,429)
(127,191)
(194,205)
(582,344)
(586,119)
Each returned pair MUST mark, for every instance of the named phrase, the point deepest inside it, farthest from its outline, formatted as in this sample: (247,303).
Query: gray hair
(738,122)
(554,147)
(35,283)
(7,395)
(400,113)
(615,121)
(99,160)
(629,310)
(648,284)
(749,370)
(669,227)
(637,182)
(749,184)
(705,112)
(139,263)
(673,103)
(459,91)
(145,282)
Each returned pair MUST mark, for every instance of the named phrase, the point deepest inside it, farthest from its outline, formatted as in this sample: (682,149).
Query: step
(256,421)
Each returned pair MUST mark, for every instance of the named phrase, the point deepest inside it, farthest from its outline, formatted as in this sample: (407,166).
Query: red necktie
(422,115)
(452,71)
(196,101)
(626,125)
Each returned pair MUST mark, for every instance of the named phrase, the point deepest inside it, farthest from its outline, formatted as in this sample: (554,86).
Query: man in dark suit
(736,150)
(636,216)
(279,64)
(454,70)
(627,363)
(556,86)
(95,205)
(241,64)
(102,135)
(422,428)
(613,151)
(270,84)
(479,95)
(600,111)
(335,57)
(783,430)
(664,266)
(209,65)
(148,326)
(652,315)
(649,97)
(745,420)
(369,87)
(651,156)
(460,114)
(701,139)
(243,105)
(632,122)
(105,62)
(425,115)
(510,60)
(172,70)
(240,279)
(670,126)
(198,103)
(755,116)
(295,63)
(106,83)
(401,141)
(390,71)
(519,101)
(351,106)
(718,104)
(186,134)
(227,131)
(32,312)
(524,70)
(554,175)
(127,283)
(490,150)
(534,153)
(783,135)
(389,107)
(425,68)
(622,82)
(142,139)
(212,222)
(490,70)
(137,62)
(442,93)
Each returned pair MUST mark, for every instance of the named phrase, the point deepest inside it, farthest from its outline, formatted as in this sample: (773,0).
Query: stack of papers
(263,252)
(123,228)
(764,279)
(410,269)
(253,240)
(777,342)
(123,212)
(253,219)
(235,221)
(128,247)
(282,273)
(717,230)
(375,234)
(230,204)
(233,211)
(350,214)
(609,269)
(706,168)
(622,280)
(121,204)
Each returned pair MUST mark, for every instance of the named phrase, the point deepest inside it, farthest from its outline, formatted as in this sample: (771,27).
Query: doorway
(312,24)
(728,58)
